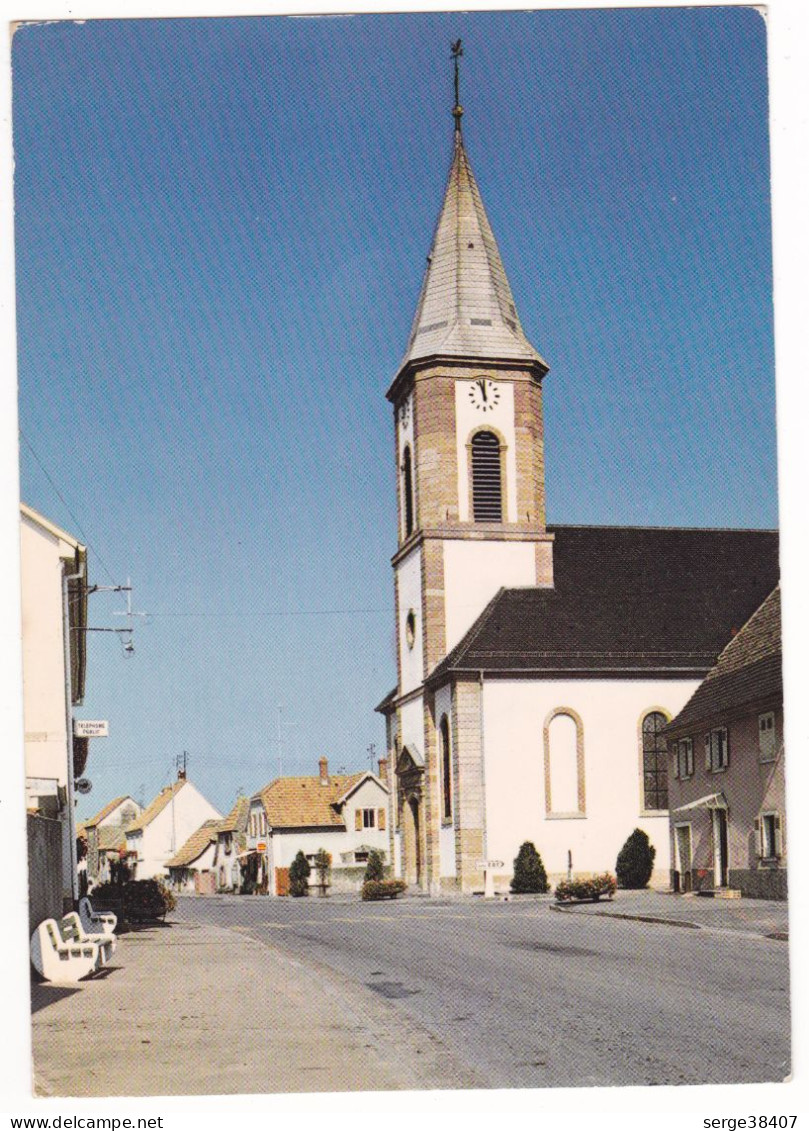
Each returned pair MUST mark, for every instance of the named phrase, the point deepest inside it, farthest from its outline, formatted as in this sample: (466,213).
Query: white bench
(72,931)
(59,961)
(94,922)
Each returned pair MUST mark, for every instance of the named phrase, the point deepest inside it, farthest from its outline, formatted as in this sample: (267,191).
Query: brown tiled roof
(102,814)
(236,820)
(157,806)
(747,673)
(299,803)
(195,845)
(625,599)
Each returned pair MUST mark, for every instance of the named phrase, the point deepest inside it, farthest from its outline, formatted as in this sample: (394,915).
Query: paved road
(522,997)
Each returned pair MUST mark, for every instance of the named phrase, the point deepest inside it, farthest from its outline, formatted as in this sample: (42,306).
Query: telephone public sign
(91,728)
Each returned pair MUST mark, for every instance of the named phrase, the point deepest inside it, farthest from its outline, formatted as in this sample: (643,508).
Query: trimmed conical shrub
(529,871)
(635,861)
(374,869)
(299,871)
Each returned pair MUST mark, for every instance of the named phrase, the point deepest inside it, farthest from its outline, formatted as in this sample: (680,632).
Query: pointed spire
(466,308)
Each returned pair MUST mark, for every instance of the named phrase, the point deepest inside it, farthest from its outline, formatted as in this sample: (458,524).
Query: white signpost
(91,728)
(488,867)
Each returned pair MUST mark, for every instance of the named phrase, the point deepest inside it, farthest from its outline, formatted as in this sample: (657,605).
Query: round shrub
(529,871)
(299,871)
(635,861)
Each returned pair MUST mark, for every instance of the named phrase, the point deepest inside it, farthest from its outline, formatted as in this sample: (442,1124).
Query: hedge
(382,889)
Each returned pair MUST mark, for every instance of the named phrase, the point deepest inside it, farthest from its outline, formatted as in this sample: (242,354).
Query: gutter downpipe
(483,772)
(71,810)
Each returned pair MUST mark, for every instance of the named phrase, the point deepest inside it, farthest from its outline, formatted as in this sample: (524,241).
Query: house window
(369,818)
(770,827)
(564,764)
(655,770)
(446,769)
(716,750)
(766,737)
(407,487)
(487,505)
(685,757)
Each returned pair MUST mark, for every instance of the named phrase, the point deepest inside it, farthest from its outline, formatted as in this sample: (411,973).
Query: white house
(105,835)
(165,825)
(345,814)
(537,665)
(54,621)
(193,868)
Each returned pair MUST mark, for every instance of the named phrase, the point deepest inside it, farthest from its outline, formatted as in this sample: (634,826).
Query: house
(345,814)
(726,769)
(193,868)
(54,655)
(537,665)
(231,843)
(165,825)
(105,836)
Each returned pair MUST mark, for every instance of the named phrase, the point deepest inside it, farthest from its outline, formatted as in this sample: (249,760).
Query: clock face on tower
(484,394)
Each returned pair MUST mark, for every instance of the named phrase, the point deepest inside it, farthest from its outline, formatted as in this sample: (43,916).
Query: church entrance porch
(411,854)
(410,814)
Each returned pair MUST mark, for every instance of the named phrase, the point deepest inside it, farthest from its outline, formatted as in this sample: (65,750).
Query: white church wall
(515,713)
(412,716)
(446,832)
(474,572)
(500,418)
(409,594)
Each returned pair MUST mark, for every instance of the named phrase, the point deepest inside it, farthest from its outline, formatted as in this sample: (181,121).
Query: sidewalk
(750,916)
(188,1009)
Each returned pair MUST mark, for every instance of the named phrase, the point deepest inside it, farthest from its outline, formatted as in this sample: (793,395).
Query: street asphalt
(255,994)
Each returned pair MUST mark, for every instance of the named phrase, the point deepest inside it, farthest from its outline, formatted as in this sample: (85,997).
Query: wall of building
(44,870)
(473,574)
(750,787)
(515,714)
(168,832)
(408,590)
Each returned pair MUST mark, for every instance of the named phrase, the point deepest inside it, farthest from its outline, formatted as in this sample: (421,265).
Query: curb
(632,918)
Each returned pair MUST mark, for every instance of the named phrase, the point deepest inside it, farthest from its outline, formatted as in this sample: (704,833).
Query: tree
(323,866)
(374,869)
(529,871)
(635,861)
(299,871)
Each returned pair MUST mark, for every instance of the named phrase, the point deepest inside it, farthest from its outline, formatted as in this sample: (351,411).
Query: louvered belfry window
(487,503)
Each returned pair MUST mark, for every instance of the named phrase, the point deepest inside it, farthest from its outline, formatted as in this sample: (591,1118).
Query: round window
(410,629)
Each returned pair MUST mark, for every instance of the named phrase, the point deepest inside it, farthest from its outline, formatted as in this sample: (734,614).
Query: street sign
(261,846)
(486,865)
(91,728)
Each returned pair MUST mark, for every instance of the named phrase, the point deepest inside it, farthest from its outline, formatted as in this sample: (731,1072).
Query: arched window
(487,504)
(407,486)
(564,764)
(655,770)
(446,769)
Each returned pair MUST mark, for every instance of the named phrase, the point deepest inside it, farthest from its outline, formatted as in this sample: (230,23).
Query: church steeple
(466,308)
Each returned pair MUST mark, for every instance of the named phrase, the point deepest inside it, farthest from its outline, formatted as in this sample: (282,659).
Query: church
(537,665)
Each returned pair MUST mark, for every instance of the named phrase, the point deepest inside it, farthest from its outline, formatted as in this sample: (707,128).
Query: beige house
(54,621)
(165,825)
(193,868)
(727,788)
(537,665)
(105,835)
(345,814)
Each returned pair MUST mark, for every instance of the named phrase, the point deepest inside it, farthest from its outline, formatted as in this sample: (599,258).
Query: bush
(136,901)
(382,889)
(635,861)
(374,869)
(323,866)
(529,871)
(299,871)
(593,889)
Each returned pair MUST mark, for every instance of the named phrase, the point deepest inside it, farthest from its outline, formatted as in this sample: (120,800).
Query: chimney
(181,775)
(383,769)
(324,771)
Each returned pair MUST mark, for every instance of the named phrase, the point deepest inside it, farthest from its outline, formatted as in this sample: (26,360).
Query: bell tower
(469,440)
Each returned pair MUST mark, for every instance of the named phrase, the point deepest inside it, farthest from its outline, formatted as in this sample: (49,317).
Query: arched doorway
(412,839)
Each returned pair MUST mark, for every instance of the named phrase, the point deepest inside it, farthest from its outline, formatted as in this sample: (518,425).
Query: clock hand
(483,389)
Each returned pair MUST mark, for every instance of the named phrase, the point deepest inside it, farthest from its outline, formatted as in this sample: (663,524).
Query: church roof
(747,672)
(625,600)
(466,308)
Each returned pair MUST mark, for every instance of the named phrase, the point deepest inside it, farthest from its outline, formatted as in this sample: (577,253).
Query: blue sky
(221,229)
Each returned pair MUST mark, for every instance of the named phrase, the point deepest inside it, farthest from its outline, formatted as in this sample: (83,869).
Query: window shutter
(676,770)
(726,751)
(358,820)
(382,824)
(707,752)
(777,835)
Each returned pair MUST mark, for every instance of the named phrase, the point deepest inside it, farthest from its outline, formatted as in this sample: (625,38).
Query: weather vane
(457,110)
